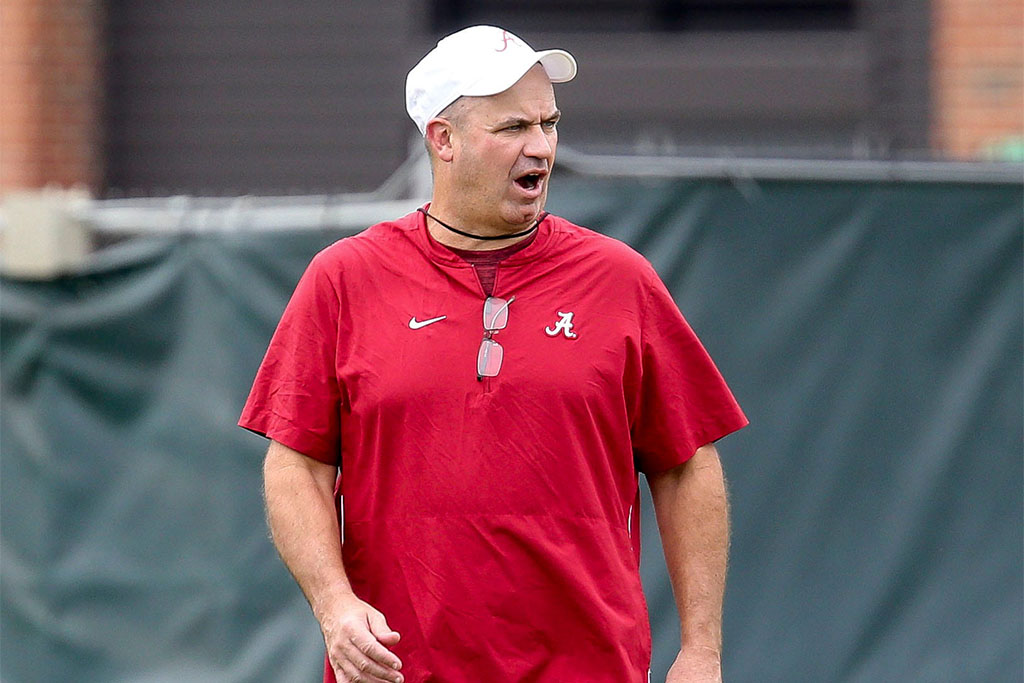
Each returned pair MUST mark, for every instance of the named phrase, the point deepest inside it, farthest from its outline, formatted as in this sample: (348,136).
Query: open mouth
(530,181)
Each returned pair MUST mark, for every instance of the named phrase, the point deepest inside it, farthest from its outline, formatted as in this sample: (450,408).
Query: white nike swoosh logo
(417,324)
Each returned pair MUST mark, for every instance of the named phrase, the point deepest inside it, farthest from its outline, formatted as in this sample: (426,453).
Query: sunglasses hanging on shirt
(490,355)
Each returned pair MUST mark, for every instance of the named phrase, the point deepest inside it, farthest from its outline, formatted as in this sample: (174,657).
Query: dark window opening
(647,15)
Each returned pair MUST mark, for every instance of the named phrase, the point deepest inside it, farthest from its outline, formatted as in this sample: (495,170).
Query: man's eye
(513,127)
(550,125)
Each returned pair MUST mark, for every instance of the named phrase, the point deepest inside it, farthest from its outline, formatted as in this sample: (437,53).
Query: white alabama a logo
(563,325)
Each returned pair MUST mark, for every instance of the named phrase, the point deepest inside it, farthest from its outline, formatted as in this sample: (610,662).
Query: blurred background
(833,190)
(231,97)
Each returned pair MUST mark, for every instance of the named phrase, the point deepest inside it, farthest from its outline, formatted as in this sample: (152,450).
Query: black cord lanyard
(514,235)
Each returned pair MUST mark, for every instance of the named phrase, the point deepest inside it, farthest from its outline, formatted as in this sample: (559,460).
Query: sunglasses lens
(495,314)
(488,360)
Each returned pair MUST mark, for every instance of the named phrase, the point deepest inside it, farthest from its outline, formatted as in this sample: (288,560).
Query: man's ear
(439,137)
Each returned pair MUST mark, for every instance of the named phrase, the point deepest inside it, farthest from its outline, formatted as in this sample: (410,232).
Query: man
(483,381)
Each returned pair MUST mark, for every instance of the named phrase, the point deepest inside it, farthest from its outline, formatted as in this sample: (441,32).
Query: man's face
(503,152)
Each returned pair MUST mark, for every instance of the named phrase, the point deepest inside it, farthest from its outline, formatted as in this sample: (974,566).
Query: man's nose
(538,143)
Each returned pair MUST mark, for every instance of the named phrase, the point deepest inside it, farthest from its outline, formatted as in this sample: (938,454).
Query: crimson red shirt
(493,522)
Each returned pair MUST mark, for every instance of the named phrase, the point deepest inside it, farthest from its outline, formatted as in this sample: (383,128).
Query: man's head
(484,102)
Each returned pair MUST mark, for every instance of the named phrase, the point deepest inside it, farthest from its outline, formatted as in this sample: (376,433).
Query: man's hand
(357,638)
(701,665)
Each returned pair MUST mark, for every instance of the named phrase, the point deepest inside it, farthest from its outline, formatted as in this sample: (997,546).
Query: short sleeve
(684,401)
(295,398)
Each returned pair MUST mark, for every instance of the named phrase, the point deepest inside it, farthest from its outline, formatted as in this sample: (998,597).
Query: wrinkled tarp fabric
(872,332)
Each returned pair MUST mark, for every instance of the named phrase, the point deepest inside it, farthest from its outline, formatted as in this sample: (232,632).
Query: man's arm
(299,495)
(693,518)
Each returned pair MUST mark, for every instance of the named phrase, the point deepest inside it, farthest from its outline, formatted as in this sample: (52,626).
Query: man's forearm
(693,518)
(304,524)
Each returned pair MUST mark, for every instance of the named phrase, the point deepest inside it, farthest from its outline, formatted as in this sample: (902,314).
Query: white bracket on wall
(43,237)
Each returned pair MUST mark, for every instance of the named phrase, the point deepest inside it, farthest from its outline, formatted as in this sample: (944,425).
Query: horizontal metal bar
(790,169)
(261,214)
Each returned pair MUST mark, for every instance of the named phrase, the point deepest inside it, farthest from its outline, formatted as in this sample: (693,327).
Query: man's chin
(523,215)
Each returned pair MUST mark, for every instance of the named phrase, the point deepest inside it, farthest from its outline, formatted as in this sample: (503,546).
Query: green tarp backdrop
(872,331)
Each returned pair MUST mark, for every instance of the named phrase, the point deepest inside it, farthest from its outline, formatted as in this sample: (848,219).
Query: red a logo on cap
(506,37)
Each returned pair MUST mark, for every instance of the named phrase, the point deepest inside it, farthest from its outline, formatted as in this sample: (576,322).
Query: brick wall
(51,85)
(978,77)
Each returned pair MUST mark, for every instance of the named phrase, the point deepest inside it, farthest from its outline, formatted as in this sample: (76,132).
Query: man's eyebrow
(513,121)
(523,121)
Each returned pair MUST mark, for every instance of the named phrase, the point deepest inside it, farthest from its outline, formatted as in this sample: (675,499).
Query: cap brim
(559,65)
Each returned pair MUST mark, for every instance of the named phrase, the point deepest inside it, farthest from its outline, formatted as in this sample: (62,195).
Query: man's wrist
(702,650)
(328,598)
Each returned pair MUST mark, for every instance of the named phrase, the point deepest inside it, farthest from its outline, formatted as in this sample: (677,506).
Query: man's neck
(446,226)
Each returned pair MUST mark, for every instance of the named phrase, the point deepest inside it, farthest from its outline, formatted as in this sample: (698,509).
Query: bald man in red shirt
(480,384)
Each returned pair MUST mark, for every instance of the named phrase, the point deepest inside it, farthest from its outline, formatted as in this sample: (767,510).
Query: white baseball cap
(476,61)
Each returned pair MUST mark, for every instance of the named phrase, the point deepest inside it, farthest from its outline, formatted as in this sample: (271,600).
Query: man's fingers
(358,653)
(367,647)
(380,629)
(348,672)
(365,660)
